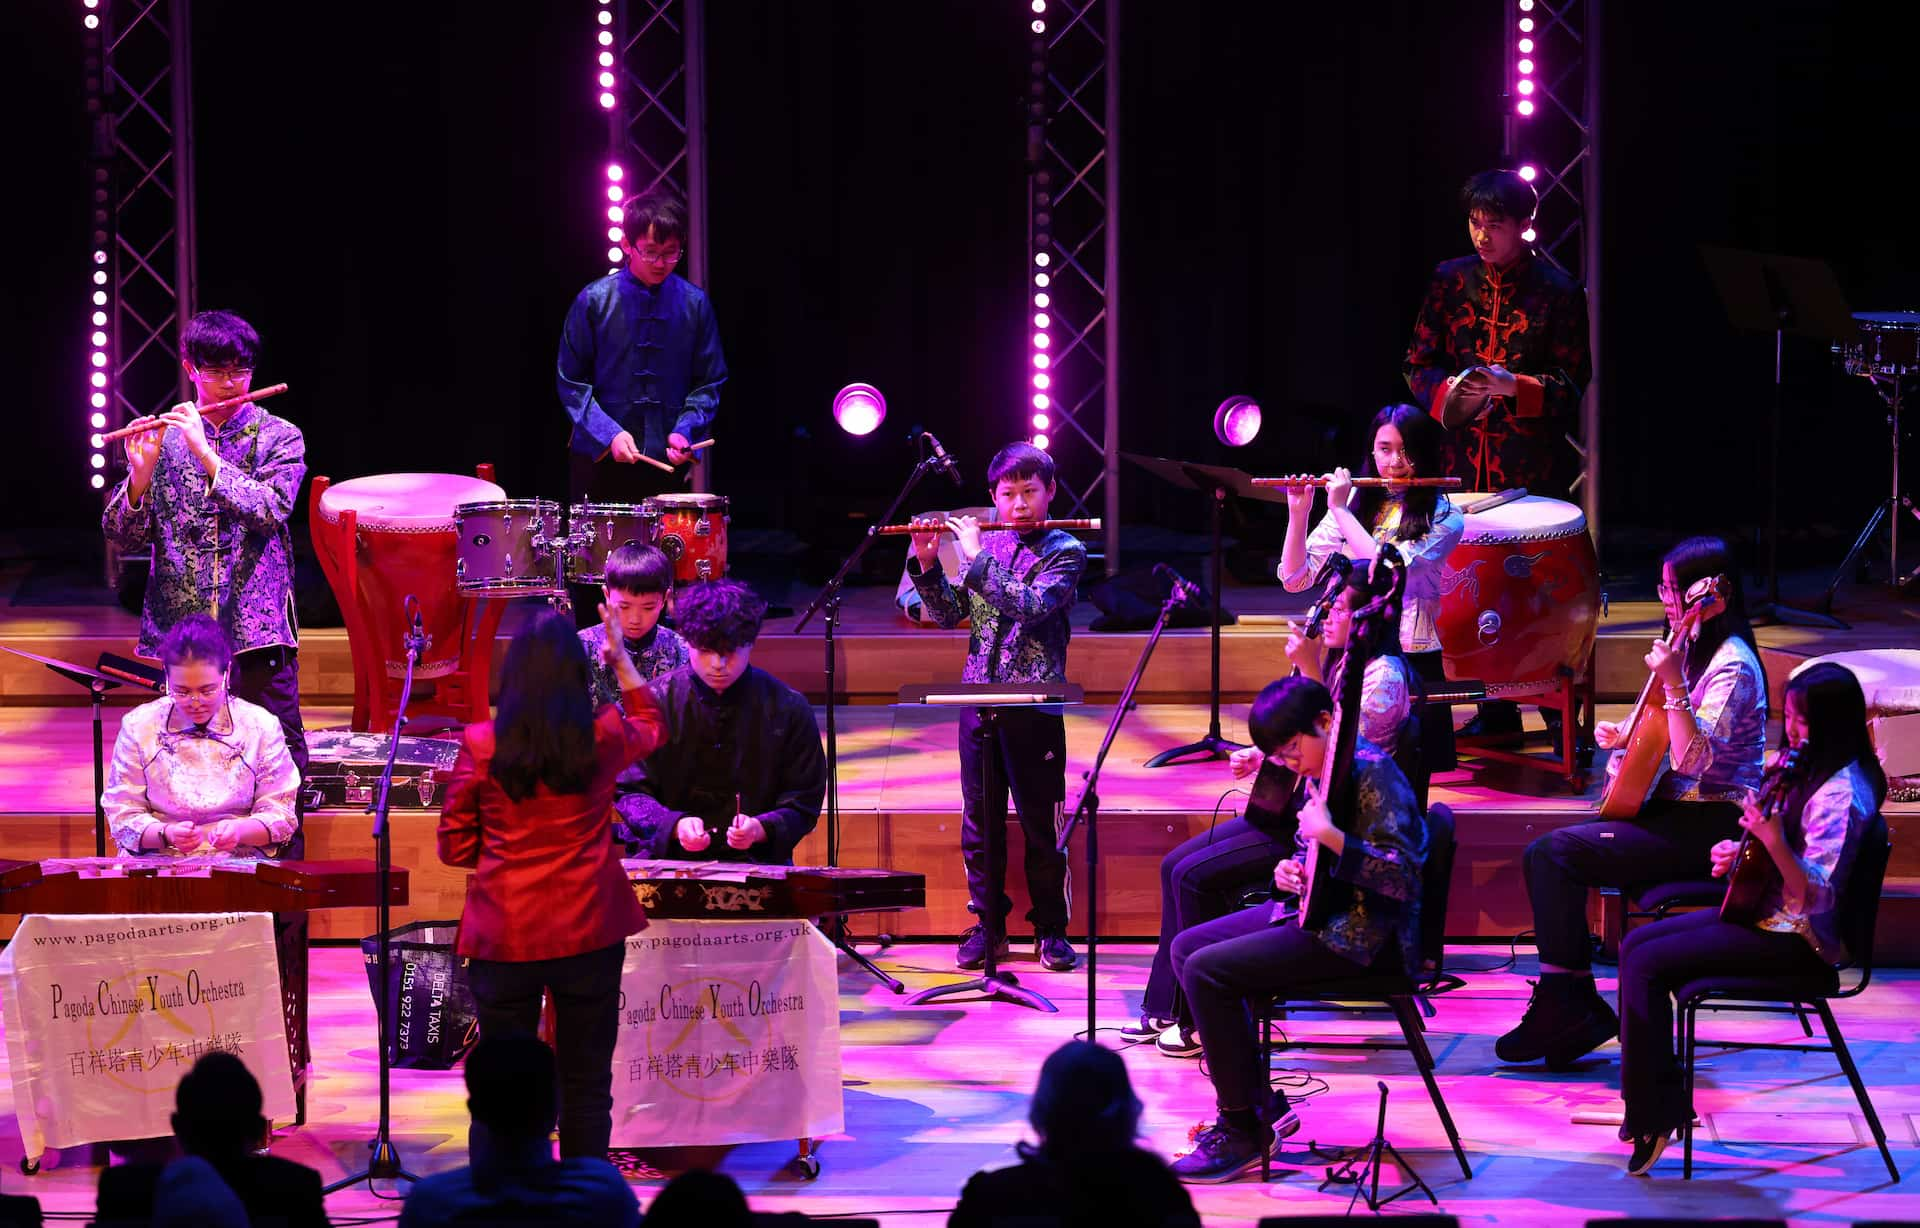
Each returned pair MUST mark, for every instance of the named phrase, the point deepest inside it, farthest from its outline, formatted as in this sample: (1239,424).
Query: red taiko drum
(1520,595)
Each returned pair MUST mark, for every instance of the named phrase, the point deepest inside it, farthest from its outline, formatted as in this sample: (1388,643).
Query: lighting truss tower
(1552,137)
(650,79)
(139,99)
(1073,238)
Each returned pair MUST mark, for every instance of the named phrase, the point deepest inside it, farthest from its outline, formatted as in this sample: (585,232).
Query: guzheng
(189,885)
(732,891)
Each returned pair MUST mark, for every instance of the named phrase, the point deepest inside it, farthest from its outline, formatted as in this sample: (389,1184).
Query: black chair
(20,1211)
(1663,900)
(1859,913)
(1395,992)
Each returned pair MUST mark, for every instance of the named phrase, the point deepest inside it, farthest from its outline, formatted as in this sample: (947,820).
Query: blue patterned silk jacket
(1380,870)
(639,360)
(1017,594)
(657,653)
(220,547)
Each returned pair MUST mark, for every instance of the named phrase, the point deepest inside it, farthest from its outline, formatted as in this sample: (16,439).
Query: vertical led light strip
(1526,65)
(99,353)
(1040,217)
(606,78)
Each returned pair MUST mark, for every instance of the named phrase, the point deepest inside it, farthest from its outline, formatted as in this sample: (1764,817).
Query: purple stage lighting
(1237,421)
(859,409)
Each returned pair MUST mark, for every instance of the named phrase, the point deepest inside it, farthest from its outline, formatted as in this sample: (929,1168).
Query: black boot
(1497,717)
(1565,1020)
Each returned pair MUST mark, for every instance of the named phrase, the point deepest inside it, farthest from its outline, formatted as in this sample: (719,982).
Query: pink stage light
(100,257)
(1526,87)
(90,22)
(1040,360)
(98,379)
(99,359)
(615,191)
(1528,173)
(1041,381)
(1039,6)
(607,101)
(614,254)
(616,172)
(1042,280)
(606,18)
(859,409)
(606,38)
(1041,300)
(98,461)
(99,319)
(1526,46)
(1039,27)
(1041,442)
(1042,260)
(1525,107)
(98,422)
(1526,66)
(606,59)
(1041,341)
(94,440)
(606,80)
(615,234)
(99,338)
(1526,6)
(98,482)
(1528,235)
(1040,320)
(1041,422)
(1526,25)
(1236,421)
(1041,400)
(614,214)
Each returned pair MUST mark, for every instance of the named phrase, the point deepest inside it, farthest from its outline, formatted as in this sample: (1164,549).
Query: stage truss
(1551,136)
(1073,231)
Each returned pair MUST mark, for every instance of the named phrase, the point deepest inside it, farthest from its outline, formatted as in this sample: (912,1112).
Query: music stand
(988,699)
(97,684)
(1764,292)
(1218,481)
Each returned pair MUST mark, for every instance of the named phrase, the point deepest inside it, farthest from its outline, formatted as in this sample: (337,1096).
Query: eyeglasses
(665,259)
(1666,590)
(230,375)
(209,691)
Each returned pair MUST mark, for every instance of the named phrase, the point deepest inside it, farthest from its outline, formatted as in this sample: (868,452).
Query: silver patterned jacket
(219,547)
(1017,595)
(164,770)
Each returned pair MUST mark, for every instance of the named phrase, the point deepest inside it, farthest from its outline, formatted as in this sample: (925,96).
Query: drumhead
(1532,518)
(495,506)
(409,502)
(689,502)
(1889,677)
(1888,321)
(608,509)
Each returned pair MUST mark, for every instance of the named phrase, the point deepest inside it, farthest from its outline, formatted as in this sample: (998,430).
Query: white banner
(105,1013)
(729,1033)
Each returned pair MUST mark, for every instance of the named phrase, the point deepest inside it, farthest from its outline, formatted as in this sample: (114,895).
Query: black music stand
(987,699)
(1765,292)
(1089,803)
(97,684)
(1218,481)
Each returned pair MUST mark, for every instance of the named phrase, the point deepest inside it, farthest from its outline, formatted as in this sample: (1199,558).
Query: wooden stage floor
(934,1093)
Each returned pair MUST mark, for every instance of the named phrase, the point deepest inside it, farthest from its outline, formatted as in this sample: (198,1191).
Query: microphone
(1186,590)
(416,635)
(1334,572)
(940,458)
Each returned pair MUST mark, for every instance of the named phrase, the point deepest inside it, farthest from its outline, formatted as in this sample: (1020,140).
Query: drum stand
(1889,509)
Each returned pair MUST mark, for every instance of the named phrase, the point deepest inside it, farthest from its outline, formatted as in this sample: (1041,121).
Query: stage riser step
(871,668)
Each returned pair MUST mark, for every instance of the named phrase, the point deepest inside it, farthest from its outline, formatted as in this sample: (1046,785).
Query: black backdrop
(404,198)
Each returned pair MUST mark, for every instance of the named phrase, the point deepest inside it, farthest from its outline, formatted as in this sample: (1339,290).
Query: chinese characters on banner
(105,1013)
(729,1033)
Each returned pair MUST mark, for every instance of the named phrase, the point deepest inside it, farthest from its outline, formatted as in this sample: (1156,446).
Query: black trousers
(1201,879)
(1022,752)
(1666,841)
(609,481)
(1436,724)
(1242,956)
(586,1022)
(1657,959)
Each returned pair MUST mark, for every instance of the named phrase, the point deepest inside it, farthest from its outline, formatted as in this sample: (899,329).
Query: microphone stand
(827,604)
(383,1160)
(1089,804)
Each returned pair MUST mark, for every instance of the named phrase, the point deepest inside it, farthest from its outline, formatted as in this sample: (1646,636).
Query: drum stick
(695,447)
(662,466)
(152,421)
(1449,483)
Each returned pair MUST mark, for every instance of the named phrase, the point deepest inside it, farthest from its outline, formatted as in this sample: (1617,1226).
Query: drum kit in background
(1885,351)
(449,550)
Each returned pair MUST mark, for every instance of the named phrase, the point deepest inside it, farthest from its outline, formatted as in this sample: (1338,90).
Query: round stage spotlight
(859,409)
(1237,421)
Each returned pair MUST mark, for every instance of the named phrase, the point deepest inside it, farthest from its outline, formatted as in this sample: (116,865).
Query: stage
(934,1093)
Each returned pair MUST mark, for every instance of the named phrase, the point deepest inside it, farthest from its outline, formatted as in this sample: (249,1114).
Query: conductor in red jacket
(549,909)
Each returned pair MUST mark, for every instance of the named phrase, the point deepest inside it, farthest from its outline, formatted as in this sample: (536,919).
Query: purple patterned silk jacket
(1018,594)
(221,547)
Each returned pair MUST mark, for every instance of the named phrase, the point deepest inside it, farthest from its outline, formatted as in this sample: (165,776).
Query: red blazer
(547,880)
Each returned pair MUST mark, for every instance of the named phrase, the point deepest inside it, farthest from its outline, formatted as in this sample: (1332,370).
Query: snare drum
(595,530)
(693,533)
(1888,344)
(1520,595)
(508,547)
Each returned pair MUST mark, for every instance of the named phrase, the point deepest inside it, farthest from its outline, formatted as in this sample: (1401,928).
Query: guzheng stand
(1089,804)
(988,699)
(827,604)
(1217,481)
(97,684)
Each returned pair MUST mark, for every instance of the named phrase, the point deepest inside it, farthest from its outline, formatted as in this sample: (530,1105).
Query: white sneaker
(1177,1041)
